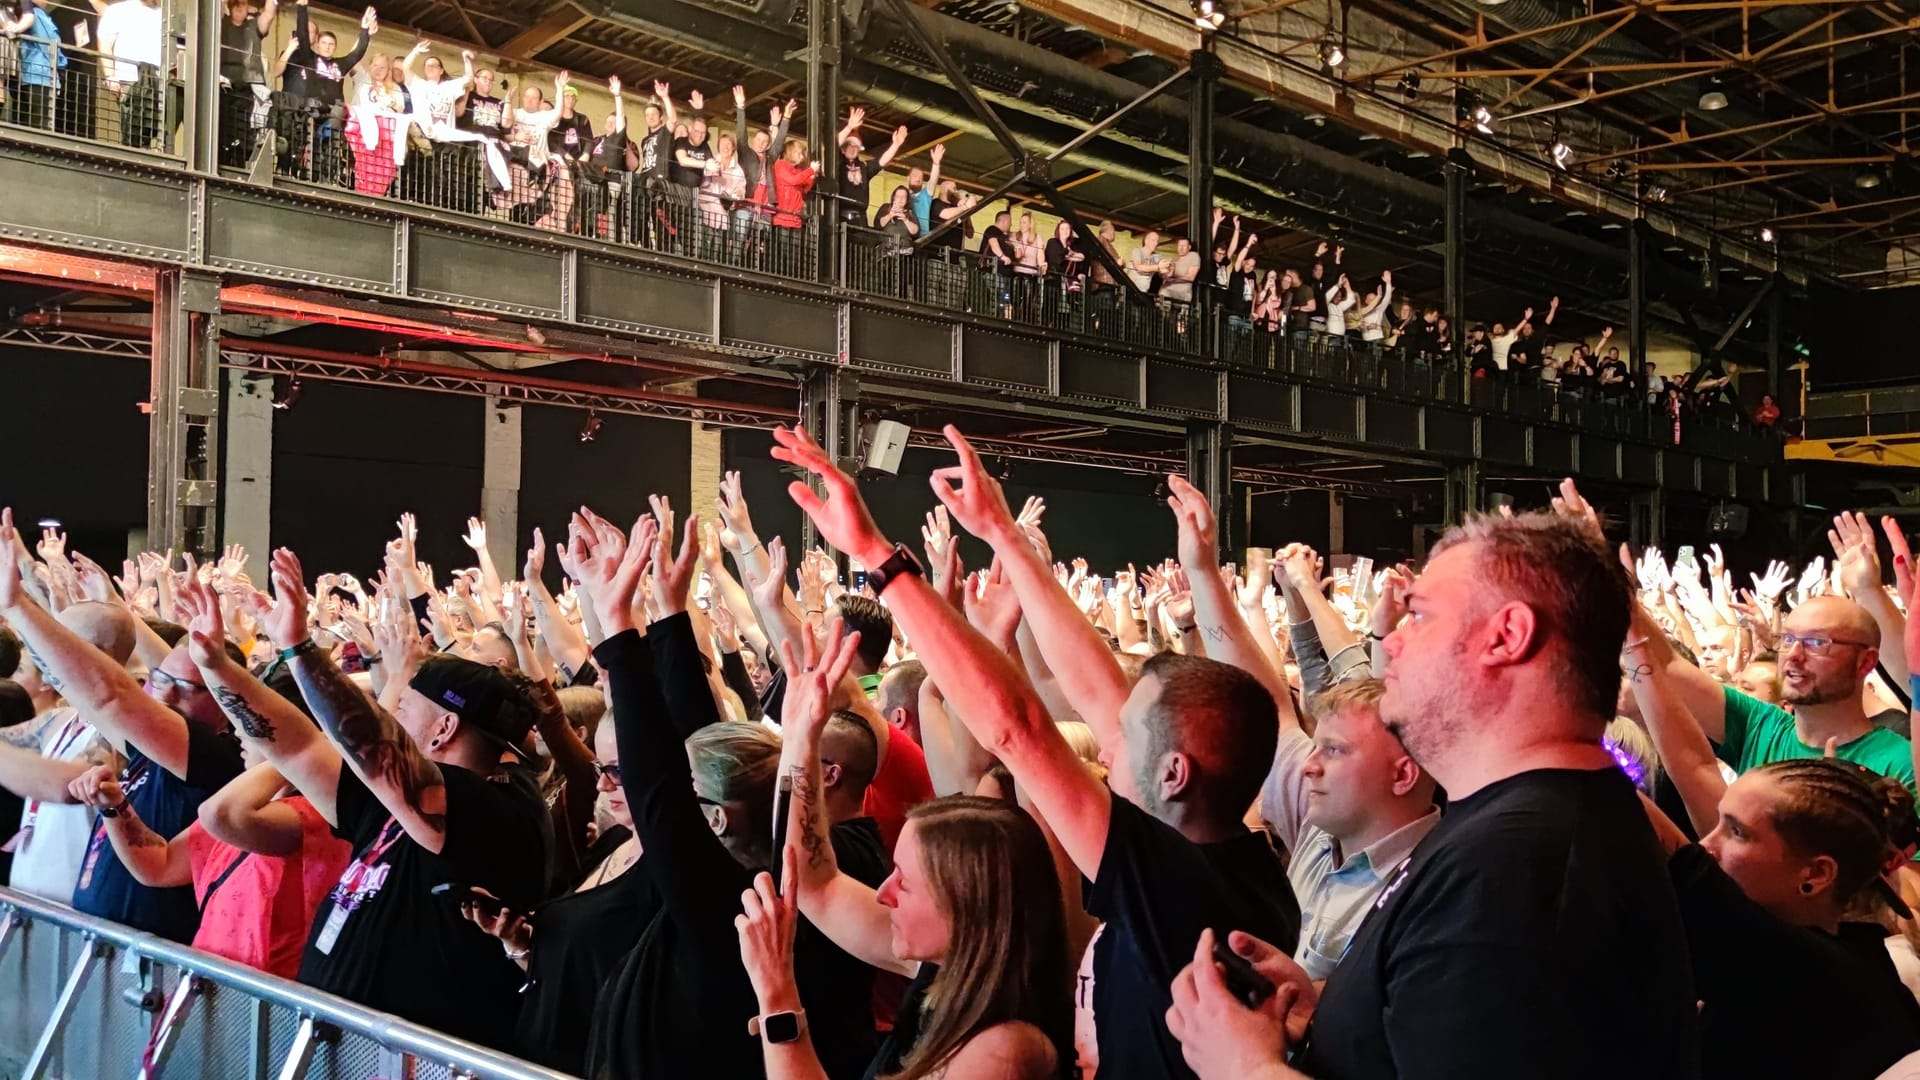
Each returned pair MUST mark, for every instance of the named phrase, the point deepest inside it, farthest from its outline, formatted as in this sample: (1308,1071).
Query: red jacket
(791,183)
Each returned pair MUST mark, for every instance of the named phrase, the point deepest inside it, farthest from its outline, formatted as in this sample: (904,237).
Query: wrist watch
(114,811)
(900,562)
(779,1027)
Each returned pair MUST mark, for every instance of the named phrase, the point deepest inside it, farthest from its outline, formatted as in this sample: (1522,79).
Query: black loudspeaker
(1728,521)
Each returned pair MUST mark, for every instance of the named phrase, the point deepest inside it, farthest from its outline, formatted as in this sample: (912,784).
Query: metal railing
(82,100)
(90,998)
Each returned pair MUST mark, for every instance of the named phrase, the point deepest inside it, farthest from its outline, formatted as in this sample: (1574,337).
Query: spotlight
(1410,85)
(1656,193)
(1560,152)
(1332,54)
(1482,120)
(1207,15)
(1616,170)
(1867,180)
(1713,98)
(1159,490)
(49,523)
(288,397)
(592,426)
(1766,235)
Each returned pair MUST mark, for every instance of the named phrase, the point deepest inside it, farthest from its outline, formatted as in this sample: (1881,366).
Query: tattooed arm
(381,752)
(277,729)
(152,859)
(845,910)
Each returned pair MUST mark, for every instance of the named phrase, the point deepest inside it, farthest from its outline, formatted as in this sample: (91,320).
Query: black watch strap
(902,561)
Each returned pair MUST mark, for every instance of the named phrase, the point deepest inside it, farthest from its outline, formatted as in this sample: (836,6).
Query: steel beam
(1465,491)
(1210,468)
(203,90)
(183,453)
(823,106)
(1205,68)
(1458,170)
(830,409)
(1776,330)
(1636,294)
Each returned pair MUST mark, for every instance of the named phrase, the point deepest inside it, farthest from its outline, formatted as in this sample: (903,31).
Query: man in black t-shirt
(179,750)
(856,173)
(481,111)
(1165,850)
(571,136)
(435,792)
(602,188)
(655,152)
(1535,933)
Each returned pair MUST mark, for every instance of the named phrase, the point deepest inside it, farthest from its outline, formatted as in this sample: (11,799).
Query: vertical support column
(1464,493)
(1776,333)
(500,484)
(1336,523)
(1647,513)
(246,482)
(823,104)
(1204,77)
(183,437)
(829,407)
(1210,468)
(202,119)
(1458,168)
(1636,295)
(705,457)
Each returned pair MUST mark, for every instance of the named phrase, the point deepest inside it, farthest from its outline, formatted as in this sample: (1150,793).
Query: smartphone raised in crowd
(1244,982)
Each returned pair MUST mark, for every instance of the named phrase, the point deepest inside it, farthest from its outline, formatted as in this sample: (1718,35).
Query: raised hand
(1391,605)
(936,534)
(814,675)
(52,546)
(769,591)
(610,566)
(476,537)
(662,91)
(1855,553)
(1768,587)
(1194,515)
(739,97)
(536,565)
(841,516)
(766,926)
(736,526)
(993,607)
(697,100)
(974,498)
(856,116)
(1571,504)
(370,22)
(1902,556)
(285,619)
(95,584)
(673,573)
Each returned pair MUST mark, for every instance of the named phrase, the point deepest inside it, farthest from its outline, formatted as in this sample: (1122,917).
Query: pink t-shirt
(261,914)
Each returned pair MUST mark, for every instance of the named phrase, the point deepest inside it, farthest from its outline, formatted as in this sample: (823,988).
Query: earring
(1806,887)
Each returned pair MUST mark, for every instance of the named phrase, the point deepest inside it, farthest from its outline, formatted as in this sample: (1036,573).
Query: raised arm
(89,679)
(893,150)
(379,750)
(269,722)
(1216,618)
(854,116)
(476,539)
(566,643)
(993,700)
(247,814)
(369,26)
(263,22)
(1856,553)
(844,909)
(1684,751)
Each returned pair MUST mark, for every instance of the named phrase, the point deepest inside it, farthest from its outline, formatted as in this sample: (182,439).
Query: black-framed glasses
(1815,644)
(164,681)
(610,772)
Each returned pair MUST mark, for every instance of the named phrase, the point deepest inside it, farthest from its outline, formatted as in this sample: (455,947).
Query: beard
(1818,691)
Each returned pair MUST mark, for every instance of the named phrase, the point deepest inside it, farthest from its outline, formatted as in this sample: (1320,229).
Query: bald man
(1828,647)
(39,758)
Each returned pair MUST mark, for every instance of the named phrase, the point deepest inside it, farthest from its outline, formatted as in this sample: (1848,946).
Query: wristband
(516,954)
(292,651)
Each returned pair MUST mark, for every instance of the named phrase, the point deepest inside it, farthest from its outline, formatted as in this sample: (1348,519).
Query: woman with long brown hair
(973,911)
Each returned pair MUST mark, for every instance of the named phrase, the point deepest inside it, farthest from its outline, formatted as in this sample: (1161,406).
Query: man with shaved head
(1828,647)
(39,758)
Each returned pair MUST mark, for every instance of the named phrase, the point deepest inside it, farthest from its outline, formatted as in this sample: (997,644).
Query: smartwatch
(900,562)
(780,1027)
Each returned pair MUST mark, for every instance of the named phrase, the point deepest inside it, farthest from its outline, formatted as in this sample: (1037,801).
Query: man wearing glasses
(178,750)
(1828,647)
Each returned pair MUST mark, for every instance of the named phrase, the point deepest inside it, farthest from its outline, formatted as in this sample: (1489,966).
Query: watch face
(781,1027)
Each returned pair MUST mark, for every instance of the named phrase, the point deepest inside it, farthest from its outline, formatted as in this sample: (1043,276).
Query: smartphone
(1251,988)
(1685,556)
(458,893)
(782,809)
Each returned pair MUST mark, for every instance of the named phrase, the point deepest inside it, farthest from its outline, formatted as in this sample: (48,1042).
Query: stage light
(1616,170)
(1867,180)
(1207,15)
(1560,152)
(1410,85)
(290,396)
(1656,193)
(1332,54)
(1766,235)
(592,426)
(1482,120)
(1713,99)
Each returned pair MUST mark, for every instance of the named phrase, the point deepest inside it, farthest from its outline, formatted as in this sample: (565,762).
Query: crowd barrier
(89,998)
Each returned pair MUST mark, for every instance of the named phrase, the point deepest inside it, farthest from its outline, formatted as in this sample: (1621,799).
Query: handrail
(385,1029)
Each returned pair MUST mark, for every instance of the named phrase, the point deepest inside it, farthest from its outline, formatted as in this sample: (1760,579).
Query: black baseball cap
(481,695)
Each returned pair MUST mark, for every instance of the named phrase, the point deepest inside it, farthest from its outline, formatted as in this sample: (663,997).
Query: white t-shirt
(1502,343)
(1141,255)
(53,837)
(136,33)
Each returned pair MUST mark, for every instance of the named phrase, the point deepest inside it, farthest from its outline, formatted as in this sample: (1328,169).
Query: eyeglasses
(610,772)
(163,681)
(1816,646)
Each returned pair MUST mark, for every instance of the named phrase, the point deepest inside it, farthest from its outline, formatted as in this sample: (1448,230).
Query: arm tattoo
(371,739)
(136,833)
(812,837)
(25,735)
(252,724)
(46,673)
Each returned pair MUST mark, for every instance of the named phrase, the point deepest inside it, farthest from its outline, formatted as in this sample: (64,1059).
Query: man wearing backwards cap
(437,792)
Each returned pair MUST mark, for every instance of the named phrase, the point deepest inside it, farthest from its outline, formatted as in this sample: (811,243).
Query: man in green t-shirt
(1828,647)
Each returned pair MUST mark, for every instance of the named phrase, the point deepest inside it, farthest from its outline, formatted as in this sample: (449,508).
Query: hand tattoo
(252,724)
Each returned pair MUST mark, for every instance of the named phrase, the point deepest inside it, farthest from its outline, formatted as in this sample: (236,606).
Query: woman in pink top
(259,859)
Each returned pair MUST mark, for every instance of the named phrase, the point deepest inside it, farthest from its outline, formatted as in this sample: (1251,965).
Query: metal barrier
(80,100)
(90,998)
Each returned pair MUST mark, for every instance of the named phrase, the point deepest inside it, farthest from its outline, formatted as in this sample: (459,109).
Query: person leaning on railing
(314,87)
(134,40)
(41,59)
